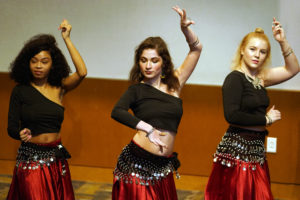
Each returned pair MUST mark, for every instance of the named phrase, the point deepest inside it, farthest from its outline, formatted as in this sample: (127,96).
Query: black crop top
(30,109)
(243,104)
(149,104)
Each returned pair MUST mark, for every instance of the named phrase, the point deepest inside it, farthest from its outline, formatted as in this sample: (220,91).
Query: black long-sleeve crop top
(149,104)
(30,109)
(243,104)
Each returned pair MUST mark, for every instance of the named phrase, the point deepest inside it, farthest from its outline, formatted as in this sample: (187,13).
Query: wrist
(269,120)
(150,132)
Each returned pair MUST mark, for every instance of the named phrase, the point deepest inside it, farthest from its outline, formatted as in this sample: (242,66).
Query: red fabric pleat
(162,190)
(44,183)
(236,183)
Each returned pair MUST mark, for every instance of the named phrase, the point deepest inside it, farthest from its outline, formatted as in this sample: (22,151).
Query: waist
(45,138)
(247,130)
(166,137)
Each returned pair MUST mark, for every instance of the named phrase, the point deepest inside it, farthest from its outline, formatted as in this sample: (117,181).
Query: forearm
(290,59)
(192,39)
(79,64)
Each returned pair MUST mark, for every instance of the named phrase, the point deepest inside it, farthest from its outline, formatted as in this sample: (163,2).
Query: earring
(162,75)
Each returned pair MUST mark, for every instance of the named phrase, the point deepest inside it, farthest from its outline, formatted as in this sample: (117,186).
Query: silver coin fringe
(133,169)
(235,150)
(32,156)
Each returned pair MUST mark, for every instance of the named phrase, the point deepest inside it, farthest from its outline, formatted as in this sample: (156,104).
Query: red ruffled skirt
(141,175)
(41,173)
(240,170)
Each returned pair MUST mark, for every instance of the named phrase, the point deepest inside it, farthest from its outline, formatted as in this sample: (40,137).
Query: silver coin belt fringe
(33,156)
(138,166)
(240,146)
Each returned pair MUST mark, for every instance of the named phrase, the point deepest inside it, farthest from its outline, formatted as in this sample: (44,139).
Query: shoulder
(20,89)
(235,76)
(234,79)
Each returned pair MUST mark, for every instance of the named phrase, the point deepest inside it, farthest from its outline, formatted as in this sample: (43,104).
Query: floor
(95,191)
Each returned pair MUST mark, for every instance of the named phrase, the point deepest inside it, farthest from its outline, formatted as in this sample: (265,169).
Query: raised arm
(280,74)
(190,62)
(74,79)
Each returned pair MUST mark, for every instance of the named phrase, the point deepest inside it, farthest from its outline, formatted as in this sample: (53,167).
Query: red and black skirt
(240,169)
(141,175)
(41,172)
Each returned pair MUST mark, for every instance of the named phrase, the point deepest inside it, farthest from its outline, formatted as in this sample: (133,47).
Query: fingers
(25,135)
(276,25)
(65,26)
(154,138)
(178,10)
(162,133)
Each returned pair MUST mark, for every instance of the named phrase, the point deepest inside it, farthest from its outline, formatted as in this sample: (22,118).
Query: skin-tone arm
(74,79)
(291,68)
(190,62)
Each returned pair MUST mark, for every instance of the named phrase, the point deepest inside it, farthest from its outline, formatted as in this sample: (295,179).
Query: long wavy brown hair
(160,46)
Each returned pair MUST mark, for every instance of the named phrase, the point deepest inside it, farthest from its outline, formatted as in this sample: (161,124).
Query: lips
(37,72)
(255,61)
(148,72)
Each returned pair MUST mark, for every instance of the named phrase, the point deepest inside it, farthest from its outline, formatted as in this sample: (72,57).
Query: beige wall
(94,139)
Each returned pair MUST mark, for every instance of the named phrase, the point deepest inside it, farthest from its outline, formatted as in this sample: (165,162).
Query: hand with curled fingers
(184,21)
(154,135)
(25,135)
(274,114)
(65,28)
(278,31)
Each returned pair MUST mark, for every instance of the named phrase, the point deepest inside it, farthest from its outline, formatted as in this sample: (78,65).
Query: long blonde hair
(258,33)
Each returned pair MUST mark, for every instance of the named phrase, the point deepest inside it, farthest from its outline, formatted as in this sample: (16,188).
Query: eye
(33,60)
(155,60)
(143,60)
(263,52)
(252,48)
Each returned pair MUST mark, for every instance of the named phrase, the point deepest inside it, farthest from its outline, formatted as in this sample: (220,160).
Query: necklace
(255,82)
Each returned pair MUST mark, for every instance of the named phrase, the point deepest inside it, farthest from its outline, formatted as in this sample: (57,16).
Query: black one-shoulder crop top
(30,109)
(149,104)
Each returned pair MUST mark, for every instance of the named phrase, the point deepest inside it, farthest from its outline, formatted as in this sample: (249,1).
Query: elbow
(82,74)
(13,134)
(231,119)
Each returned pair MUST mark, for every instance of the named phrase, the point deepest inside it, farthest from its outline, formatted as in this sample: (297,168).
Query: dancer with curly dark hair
(36,113)
(146,165)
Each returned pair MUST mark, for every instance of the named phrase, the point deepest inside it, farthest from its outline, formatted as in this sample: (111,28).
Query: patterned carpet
(96,191)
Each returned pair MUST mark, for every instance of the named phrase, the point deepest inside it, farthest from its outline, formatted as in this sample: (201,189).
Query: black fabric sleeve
(232,96)
(120,111)
(14,113)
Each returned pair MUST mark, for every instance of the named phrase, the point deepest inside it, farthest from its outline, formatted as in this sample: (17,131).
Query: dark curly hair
(20,68)
(160,46)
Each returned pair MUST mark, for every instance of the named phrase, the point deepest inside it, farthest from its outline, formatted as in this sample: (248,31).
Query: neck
(154,82)
(249,72)
(40,82)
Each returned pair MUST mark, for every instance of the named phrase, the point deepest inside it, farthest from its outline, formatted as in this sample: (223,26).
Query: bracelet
(194,44)
(270,120)
(288,52)
(151,131)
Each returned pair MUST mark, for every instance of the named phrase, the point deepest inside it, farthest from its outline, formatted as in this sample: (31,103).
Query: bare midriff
(45,138)
(253,128)
(168,138)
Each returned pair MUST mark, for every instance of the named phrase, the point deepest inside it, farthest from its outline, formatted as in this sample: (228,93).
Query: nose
(257,54)
(148,65)
(38,65)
